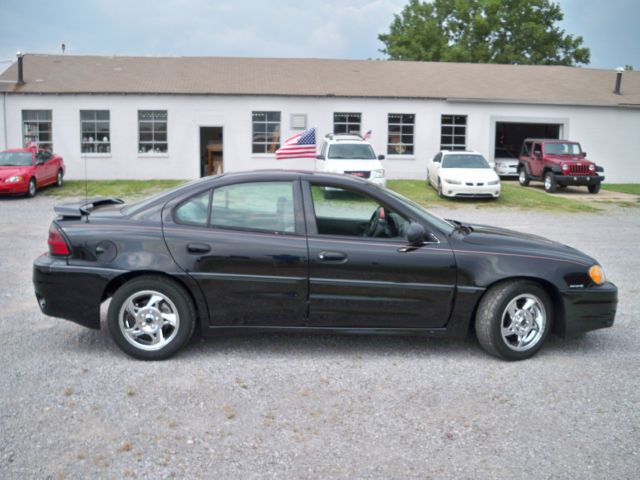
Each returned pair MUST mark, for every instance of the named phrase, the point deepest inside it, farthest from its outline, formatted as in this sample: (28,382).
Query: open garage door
(509,135)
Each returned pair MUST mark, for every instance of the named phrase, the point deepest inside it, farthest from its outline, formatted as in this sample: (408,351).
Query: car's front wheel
(595,188)
(514,319)
(59,179)
(550,185)
(32,188)
(440,193)
(151,318)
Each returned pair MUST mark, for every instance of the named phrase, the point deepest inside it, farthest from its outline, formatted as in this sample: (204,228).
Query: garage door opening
(510,135)
(210,151)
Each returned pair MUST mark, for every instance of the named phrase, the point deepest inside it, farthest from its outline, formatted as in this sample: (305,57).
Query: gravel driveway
(290,406)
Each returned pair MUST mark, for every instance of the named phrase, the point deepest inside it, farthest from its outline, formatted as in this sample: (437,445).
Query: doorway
(510,135)
(211,154)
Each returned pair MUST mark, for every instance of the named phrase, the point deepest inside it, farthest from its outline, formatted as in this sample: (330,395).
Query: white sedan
(462,174)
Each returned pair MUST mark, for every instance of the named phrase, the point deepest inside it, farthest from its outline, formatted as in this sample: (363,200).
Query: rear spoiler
(84,207)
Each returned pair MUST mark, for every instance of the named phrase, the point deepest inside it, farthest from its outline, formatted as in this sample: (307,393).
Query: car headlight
(452,182)
(493,182)
(377,173)
(597,275)
(592,168)
(14,179)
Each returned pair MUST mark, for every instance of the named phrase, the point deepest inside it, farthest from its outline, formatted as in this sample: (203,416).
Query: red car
(24,170)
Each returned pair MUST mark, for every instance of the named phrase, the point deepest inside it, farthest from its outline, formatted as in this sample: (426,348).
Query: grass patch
(111,188)
(512,196)
(632,188)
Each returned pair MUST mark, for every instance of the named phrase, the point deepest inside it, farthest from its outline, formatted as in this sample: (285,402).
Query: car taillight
(57,243)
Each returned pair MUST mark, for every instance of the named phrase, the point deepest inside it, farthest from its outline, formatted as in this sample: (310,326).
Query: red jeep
(557,163)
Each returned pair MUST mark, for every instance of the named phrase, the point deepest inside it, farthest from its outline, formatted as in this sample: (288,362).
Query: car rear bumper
(70,292)
(579,180)
(589,309)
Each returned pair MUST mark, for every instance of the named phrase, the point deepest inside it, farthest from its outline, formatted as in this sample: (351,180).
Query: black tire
(32,190)
(164,339)
(550,185)
(595,188)
(59,179)
(523,177)
(440,194)
(493,317)
(428,182)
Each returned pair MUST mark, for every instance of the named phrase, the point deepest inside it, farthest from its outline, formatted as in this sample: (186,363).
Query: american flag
(301,145)
(367,135)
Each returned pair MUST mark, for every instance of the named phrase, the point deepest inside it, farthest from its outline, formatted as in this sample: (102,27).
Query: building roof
(75,74)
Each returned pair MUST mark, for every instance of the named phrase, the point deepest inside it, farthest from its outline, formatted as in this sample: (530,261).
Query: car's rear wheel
(594,188)
(514,319)
(523,177)
(151,318)
(32,189)
(550,185)
(59,179)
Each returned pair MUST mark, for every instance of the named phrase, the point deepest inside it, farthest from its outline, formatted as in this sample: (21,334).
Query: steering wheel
(380,224)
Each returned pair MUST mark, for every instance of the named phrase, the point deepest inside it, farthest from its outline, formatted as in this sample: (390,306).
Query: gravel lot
(73,406)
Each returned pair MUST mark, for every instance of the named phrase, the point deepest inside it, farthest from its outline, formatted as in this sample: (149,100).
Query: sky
(278,28)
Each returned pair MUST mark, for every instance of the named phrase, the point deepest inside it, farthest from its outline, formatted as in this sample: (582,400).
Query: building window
(37,128)
(266,132)
(453,135)
(347,122)
(152,131)
(95,134)
(400,135)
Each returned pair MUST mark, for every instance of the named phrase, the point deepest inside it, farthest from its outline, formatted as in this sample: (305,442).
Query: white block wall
(607,134)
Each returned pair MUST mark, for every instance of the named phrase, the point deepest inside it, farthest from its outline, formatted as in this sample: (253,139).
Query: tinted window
(344,212)
(265,206)
(352,151)
(464,161)
(195,210)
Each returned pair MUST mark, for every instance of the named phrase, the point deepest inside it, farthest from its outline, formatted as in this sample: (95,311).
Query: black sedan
(271,250)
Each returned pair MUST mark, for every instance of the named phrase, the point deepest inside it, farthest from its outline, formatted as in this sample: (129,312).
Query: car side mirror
(319,157)
(492,164)
(584,154)
(380,157)
(416,234)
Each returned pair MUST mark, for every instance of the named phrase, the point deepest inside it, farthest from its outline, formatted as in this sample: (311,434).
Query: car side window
(261,206)
(437,158)
(537,149)
(344,212)
(195,210)
(43,156)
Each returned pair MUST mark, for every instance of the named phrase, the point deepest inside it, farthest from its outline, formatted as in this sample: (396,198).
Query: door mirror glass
(416,234)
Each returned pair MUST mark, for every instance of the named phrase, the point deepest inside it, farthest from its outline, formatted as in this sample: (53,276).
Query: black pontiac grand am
(295,250)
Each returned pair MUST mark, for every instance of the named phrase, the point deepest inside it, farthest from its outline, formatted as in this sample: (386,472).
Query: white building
(153,118)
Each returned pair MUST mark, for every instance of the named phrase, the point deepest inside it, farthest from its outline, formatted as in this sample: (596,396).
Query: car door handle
(198,248)
(332,256)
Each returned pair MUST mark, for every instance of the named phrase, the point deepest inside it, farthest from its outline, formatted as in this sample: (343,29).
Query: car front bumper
(579,180)
(70,292)
(588,309)
(16,188)
(467,191)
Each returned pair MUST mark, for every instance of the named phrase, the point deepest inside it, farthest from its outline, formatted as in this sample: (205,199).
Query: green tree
(483,31)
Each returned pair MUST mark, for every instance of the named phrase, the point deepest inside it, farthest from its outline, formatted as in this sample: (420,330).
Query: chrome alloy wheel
(523,322)
(522,176)
(547,182)
(148,320)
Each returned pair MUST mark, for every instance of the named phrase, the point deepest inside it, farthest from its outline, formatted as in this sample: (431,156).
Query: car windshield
(351,151)
(562,148)
(21,159)
(420,212)
(464,161)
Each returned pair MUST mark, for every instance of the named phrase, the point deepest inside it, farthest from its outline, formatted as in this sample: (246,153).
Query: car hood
(7,171)
(502,240)
(469,174)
